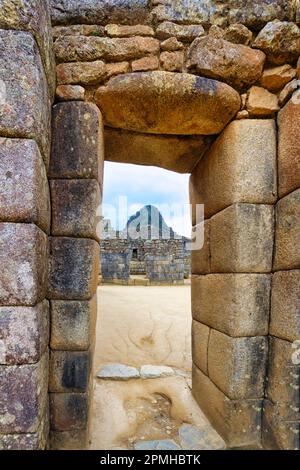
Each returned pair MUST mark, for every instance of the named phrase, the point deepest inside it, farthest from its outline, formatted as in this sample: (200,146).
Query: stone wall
(76,175)
(27,85)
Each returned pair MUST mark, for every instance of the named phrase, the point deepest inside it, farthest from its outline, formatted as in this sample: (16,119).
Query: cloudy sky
(138,186)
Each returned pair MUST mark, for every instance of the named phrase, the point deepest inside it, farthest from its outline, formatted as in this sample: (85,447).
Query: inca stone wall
(196,69)
(27,85)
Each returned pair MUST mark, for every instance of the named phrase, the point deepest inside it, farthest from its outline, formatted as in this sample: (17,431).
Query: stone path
(146,405)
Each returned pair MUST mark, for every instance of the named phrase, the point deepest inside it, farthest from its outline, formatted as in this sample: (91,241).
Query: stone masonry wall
(27,86)
(76,173)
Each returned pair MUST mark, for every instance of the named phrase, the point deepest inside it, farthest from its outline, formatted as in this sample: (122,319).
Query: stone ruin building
(209,88)
(147,248)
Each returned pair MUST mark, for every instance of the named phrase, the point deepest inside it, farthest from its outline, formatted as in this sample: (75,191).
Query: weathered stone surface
(280,41)
(32,16)
(156,372)
(24,191)
(117,68)
(68,411)
(288,146)
(84,73)
(196,438)
(173,153)
(171,44)
(237,421)
(23,277)
(275,78)
(162,444)
(118,372)
(70,93)
(69,371)
(172,61)
(241,239)
(31,441)
(77,141)
(99,12)
(78,30)
(87,48)
(25,104)
(255,13)
(239,167)
(287,245)
(240,304)
(200,261)
(285,320)
(283,375)
(145,63)
(74,207)
(244,114)
(238,365)
(71,324)
(238,34)
(167,103)
(24,333)
(115,30)
(23,392)
(235,64)
(69,440)
(73,268)
(279,433)
(287,92)
(182,32)
(200,337)
(261,103)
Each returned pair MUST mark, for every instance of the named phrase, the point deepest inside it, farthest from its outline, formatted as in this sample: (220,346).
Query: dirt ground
(137,326)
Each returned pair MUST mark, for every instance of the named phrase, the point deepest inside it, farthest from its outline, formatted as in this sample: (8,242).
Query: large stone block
(99,11)
(25,102)
(254,13)
(31,441)
(68,411)
(175,153)
(240,304)
(167,103)
(287,241)
(285,319)
(73,268)
(24,333)
(89,48)
(280,41)
(236,64)
(241,239)
(32,16)
(200,259)
(236,304)
(288,146)
(23,259)
(24,191)
(74,207)
(77,142)
(69,371)
(239,167)
(69,440)
(72,324)
(237,421)
(200,338)
(278,431)
(23,391)
(238,365)
(283,373)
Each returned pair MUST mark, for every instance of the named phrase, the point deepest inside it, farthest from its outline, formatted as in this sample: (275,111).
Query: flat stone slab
(118,372)
(194,438)
(155,372)
(163,444)
(167,103)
